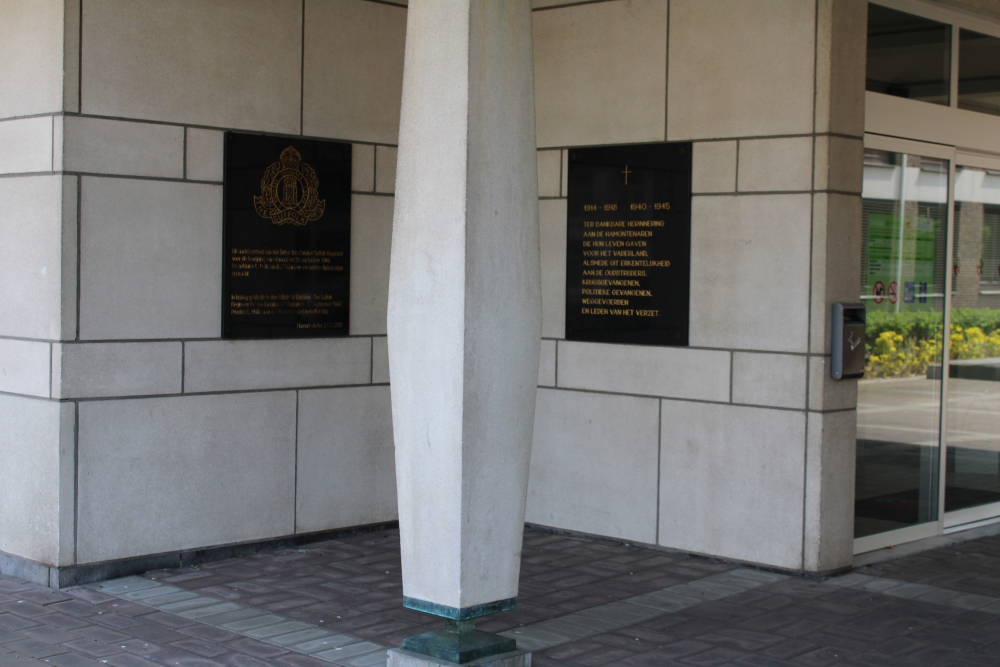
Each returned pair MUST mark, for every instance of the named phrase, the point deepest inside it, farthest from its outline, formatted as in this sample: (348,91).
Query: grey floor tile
(149,593)
(908,590)
(323,644)
(278,629)
(231,616)
(161,600)
(251,623)
(210,610)
(537,633)
(185,605)
(124,585)
(374,659)
(348,651)
(299,636)
(852,580)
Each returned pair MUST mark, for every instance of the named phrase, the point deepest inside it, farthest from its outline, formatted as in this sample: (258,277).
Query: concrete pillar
(39,65)
(464,317)
(828,538)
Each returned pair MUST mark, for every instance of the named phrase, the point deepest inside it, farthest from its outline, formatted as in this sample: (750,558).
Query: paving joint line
(348,651)
(921,592)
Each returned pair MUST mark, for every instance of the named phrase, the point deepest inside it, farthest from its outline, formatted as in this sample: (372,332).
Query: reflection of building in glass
(979,72)
(908,56)
(977,238)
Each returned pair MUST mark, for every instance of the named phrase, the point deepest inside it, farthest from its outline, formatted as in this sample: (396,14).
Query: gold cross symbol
(626,172)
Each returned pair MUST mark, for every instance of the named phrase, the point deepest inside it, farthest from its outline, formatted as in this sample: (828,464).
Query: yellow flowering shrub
(974,343)
(887,358)
(892,355)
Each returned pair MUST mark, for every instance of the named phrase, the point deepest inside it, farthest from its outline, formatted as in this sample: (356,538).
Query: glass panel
(972,475)
(908,56)
(978,72)
(902,284)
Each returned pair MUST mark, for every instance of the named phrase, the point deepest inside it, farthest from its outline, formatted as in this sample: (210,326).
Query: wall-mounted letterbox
(848,341)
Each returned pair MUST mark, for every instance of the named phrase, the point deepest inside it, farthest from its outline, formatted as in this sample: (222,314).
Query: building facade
(134,436)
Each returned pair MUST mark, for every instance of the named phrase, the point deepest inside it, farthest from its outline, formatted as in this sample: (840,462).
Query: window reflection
(908,56)
(973,436)
(979,72)
(905,204)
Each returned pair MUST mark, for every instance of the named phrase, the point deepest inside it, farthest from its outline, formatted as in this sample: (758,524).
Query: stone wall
(133,429)
(739,445)
(130,427)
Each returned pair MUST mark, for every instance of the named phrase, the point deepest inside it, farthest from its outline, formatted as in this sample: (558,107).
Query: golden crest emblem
(289,191)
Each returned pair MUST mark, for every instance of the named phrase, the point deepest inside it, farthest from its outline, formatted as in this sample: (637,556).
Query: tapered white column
(464,304)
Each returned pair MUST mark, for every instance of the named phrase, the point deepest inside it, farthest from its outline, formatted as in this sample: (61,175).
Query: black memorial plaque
(628,265)
(286,238)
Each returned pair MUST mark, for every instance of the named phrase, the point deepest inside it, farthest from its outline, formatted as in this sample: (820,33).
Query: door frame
(934,527)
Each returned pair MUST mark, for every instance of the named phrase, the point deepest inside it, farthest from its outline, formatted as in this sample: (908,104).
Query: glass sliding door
(972,473)
(903,282)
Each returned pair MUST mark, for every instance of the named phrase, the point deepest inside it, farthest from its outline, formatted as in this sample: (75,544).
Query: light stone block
(713,167)
(753,77)
(228,63)
(380,360)
(577,481)
(732,482)
(547,364)
(775,165)
(235,365)
(371,243)
(774,380)
(674,372)
(353,70)
(31,244)
(552,227)
(31,55)
(385,169)
(103,146)
(829,506)
(58,148)
(839,164)
(549,173)
(70,255)
(71,55)
(825,393)
(346,472)
(750,272)
(204,155)
(164,474)
(841,32)
(26,145)
(836,264)
(150,265)
(92,370)
(564,185)
(363,168)
(592,85)
(36,479)
(24,367)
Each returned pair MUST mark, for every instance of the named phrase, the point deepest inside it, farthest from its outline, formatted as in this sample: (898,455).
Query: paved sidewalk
(582,603)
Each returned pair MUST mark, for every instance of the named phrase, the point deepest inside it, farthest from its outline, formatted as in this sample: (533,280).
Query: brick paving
(352,586)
